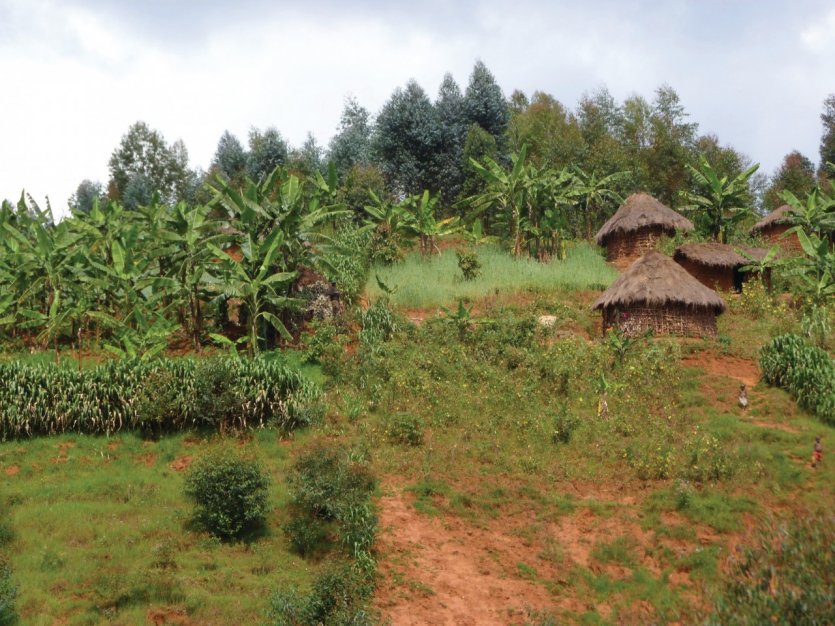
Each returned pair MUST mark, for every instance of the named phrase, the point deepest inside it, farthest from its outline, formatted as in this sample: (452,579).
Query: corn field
(155,396)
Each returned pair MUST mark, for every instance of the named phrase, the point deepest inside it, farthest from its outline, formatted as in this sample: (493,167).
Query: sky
(74,75)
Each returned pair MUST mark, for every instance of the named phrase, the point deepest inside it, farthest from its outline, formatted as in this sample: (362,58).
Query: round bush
(229,492)
(405,429)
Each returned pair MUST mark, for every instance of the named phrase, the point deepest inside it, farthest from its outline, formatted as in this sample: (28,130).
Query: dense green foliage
(155,396)
(331,485)
(806,371)
(229,492)
(8,594)
(785,576)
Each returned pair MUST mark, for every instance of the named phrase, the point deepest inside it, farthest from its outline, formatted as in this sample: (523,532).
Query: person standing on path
(817,452)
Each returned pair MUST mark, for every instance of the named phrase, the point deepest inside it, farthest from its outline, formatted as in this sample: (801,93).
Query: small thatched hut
(636,227)
(717,265)
(772,227)
(657,294)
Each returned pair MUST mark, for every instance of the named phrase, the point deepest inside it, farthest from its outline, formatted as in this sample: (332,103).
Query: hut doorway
(739,278)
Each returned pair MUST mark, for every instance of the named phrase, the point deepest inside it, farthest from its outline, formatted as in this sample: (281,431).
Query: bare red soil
(446,571)
(743,370)
(183,463)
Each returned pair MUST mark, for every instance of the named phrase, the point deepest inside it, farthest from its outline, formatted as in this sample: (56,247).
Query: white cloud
(75,78)
(819,37)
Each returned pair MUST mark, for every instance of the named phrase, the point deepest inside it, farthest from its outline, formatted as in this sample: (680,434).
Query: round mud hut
(636,226)
(773,227)
(718,265)
(657,294)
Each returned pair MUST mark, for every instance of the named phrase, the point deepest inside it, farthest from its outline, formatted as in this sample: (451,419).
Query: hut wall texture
(633,244)
(710,275)
(774,233)
(671,319)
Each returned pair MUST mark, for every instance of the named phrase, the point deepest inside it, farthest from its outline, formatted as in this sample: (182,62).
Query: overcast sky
(76,74)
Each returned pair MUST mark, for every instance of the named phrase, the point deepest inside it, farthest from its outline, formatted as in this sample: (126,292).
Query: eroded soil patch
(446,571)
(742,370)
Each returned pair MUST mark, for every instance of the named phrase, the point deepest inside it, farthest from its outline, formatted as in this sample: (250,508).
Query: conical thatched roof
(640,210)
(777,216)
(655,279)
(717,254)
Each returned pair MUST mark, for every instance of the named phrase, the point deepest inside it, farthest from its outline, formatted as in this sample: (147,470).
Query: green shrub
(162,395)
(784,576)
(385,246)
(405,429)
(755,302)
(8,594)
(652,460)
(564,424)
(706,460)
(345,261)
(340,596)
(805,371)
(378,322)
(327,480)
(306,535)
(816,324)
(469,264)
(229,492)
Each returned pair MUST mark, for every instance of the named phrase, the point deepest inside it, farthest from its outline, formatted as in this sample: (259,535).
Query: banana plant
(504,196)
(592,194)
(278,201)
(188,233)
(816,216)
(722,202)
(422,223)
(760,266)
(40,256)
(254,281)
(816,269)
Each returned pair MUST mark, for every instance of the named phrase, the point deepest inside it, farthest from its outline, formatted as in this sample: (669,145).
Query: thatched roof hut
(637,225)
(717,265)
(772,227)
(657,294)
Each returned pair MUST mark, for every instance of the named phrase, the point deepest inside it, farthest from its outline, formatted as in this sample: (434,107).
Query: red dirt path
(448,572)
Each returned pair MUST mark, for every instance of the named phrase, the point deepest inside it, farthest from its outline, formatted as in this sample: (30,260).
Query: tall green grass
(436,281)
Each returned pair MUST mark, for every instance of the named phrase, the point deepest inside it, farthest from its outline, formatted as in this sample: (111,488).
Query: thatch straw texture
(656,280)
(717,254)
(777,217)
(641,210)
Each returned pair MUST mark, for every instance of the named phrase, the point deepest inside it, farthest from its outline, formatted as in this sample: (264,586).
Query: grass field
(438,281)
(494,468)
(103,534)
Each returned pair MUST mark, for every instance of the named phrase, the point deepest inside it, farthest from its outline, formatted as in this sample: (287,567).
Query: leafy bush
(756,302)
(329,483)
(229,491)
(817,324)
(405,429)
(8,594)
(706,460)
(378,322)
(327,480)
(805,371)
(339,596)
(155,396)
(469,264)
(651,461)
(565,422)
(305,535)
(785,576)
(346,261)
(384,247)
